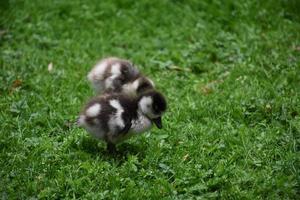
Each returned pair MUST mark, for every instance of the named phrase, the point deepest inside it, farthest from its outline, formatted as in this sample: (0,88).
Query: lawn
(230,71)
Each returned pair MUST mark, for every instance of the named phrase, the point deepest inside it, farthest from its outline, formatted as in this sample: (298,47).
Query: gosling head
(153,104)
(128,71)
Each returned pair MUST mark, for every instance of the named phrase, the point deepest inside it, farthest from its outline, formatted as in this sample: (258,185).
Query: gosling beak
(157,122)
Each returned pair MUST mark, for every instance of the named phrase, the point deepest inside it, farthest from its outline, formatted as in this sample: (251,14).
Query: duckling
(111,73)
(115,117)
(117,75)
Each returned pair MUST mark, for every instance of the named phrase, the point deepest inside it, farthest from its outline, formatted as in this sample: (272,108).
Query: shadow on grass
(97,148)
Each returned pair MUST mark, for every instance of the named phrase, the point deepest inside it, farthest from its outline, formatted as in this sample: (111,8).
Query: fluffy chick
(117,75)
(116,117)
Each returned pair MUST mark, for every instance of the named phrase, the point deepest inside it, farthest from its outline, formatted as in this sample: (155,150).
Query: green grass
(232,129)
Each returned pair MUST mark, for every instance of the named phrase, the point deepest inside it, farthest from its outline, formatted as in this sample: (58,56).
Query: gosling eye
(155,108)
